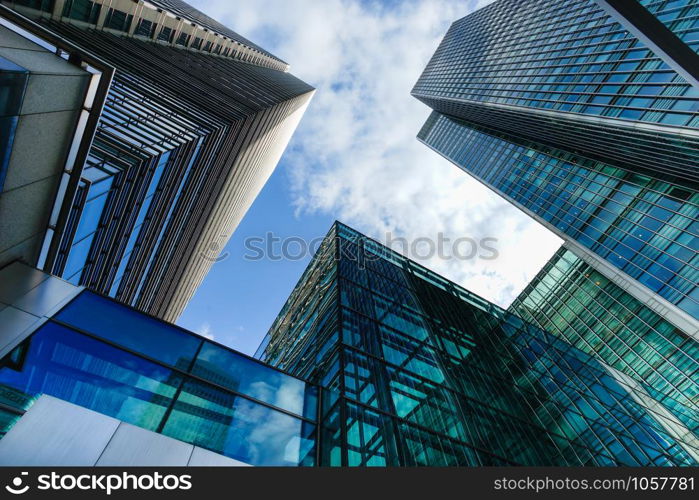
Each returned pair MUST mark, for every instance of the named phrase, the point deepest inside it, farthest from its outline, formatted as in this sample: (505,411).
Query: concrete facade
(52,104)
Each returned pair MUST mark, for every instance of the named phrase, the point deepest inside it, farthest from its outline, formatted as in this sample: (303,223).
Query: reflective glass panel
(131,329)
(240,428)
(256,380)
(65,364)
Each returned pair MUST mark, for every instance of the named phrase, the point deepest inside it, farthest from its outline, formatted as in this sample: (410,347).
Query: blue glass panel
(13,82)
(254,379)
(136,331)
(140,218)
(157,174)
(60,362)
(78,256)
(163,230)
(92,212)
(240,428)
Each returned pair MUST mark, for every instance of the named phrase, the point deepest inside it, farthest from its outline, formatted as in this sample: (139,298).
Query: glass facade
(680,16)
(559,109)
(575,302)
(107,357)
(418,371)
(565,56)
(567,74)
(646,227)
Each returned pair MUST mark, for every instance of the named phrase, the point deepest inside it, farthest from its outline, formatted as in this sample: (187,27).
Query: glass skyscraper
(587,121)
(558,108)
(643,226)
(183,131)
(572,300)
(568,75)
(416,370)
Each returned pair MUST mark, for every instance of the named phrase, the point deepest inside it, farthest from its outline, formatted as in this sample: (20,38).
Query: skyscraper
(181,136)
(572,300)
(568,75)
(416,370)
(576,122)
(591,129)
(642,230)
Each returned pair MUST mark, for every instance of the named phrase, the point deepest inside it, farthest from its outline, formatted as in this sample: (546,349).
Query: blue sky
(354,157)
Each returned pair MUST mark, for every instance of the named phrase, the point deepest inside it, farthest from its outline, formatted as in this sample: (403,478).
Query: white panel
(206,458)
(57,433)
(134,446)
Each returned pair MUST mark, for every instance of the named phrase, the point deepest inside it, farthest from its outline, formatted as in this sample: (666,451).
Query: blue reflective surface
(208,403)
(156,248)
(70,366)
(13,83)
(646,227)
(131,329)
(140,219)
(239,428)
(230,369)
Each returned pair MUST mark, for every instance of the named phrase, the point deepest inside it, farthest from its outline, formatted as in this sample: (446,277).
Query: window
(13,82)
(145,28)
(118,20)
(45,5)
(166,34)
(82,10)
(230,369)
(133,330)
(239,428)
(182,39)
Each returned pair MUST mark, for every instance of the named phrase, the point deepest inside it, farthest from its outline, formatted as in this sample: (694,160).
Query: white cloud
(355,154)
(205,331)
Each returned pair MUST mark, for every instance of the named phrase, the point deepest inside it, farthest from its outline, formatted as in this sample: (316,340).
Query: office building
(577,303)
(669,29)
(416,370)
(642,230)
(563,112)
(86,380)
(569,76)
(585,119)
(178,135)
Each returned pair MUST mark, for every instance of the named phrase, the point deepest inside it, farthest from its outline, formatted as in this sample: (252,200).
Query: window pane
(249,377)
(133,330)
(65,364)
(239,428)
